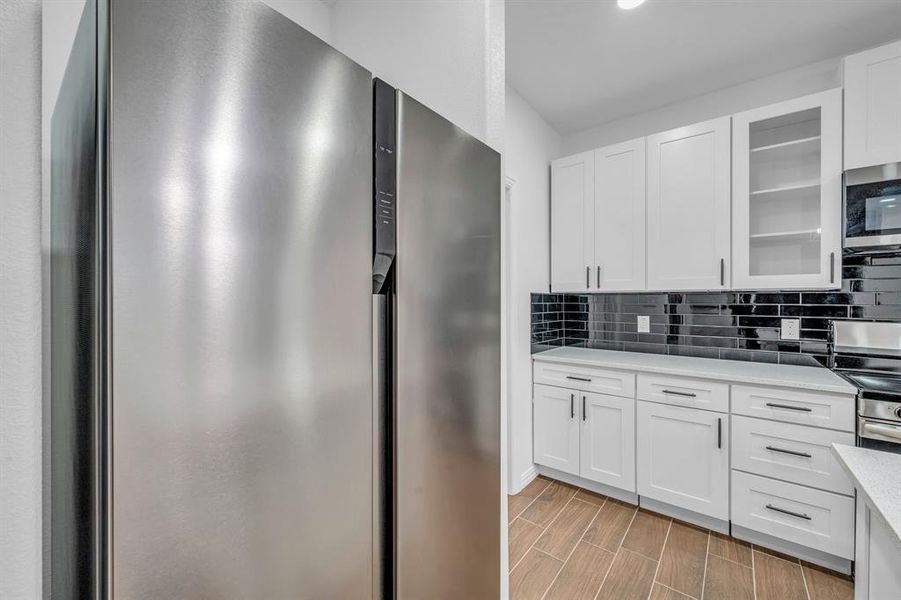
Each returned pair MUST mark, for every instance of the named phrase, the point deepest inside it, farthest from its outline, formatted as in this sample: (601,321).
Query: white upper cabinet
(572,223)
(619,217)
(873,107)
(787,194)
(688,222)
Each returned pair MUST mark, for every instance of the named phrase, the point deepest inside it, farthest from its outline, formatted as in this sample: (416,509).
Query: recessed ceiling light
(627,4)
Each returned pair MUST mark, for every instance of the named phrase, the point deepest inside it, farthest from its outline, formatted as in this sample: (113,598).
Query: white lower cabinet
(793,453)
(758,456)
(877,558)
(585,434)
(683,458)
(556,428)
(608,440)
(813,518)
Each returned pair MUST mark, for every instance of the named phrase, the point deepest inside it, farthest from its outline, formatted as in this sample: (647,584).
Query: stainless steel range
(869,356)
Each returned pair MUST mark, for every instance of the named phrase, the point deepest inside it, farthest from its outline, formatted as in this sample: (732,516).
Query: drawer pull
(789,407)
(675,393)
(574,378)
(789,512)
(792,452)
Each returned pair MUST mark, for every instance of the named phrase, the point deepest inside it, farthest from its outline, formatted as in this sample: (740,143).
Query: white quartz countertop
(808,378)
(877,477)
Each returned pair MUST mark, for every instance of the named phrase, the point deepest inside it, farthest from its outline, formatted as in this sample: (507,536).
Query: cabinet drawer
(812,518)
(820,409)
(684,391)
(793,453)
(589,379)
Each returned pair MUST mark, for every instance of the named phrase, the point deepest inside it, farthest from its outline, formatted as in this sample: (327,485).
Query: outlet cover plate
(791,329)
(644,324)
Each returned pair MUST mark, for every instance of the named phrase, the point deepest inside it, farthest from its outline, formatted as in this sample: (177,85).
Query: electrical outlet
(791,329)
(644,324)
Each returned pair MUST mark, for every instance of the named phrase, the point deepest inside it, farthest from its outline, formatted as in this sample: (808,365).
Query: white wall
(530,145)
(20,299)
(804,80)
(449,55)
(315,16)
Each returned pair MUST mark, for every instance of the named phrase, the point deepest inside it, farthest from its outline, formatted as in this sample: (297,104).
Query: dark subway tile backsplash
(729,325)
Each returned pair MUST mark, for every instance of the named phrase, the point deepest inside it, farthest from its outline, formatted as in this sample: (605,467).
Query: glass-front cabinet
(786,194)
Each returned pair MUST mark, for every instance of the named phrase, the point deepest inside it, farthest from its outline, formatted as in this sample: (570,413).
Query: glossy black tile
(728,325)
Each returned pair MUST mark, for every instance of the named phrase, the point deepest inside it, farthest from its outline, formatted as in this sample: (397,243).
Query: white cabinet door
(619,217)
(873,107)
(688,207)
(683,458)
(572,222)
(787,194)
(608,440)
(556,428)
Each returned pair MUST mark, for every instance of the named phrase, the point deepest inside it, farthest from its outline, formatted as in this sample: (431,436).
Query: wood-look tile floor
(568,543)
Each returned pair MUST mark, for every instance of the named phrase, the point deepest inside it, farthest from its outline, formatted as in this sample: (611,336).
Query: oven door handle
(879,429)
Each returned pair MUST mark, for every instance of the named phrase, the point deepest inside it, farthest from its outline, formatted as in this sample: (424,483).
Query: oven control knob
(898,412)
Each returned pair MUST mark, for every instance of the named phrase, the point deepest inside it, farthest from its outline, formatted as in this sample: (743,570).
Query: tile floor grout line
(619,547)
(804,579)
(610,568)
(660,560)
(543,530)
(531,546)
(735,562)
(706,561)
(556,516)
(753,572)
(576,545)
(677,591)
(526,507)
(796,561)
(532,522)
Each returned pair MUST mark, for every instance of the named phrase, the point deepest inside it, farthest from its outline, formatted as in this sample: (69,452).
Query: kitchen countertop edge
(786,376)
(877,477)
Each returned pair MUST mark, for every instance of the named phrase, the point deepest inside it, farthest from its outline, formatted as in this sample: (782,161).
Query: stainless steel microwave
(873,207)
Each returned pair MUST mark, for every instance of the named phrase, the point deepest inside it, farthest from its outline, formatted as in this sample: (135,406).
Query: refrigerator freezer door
(447,361)
(241,153)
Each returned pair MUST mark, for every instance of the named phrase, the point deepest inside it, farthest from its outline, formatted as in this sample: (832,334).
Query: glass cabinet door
(787,194)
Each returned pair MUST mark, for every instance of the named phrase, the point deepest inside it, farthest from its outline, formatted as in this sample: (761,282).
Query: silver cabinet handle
(788,512)
(574,378)
(719,432)
(587,277)
(675,393)
(789,407)
(599,276)
(832,267)
(722,271)
(792,452)
(572,406)
(583,409)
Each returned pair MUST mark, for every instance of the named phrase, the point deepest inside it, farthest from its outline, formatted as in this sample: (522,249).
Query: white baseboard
(525,479)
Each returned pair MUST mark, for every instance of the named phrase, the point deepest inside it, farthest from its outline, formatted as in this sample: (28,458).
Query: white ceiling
(581,63)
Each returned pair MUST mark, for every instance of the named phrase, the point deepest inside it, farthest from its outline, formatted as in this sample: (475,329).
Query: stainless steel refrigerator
(274,320)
